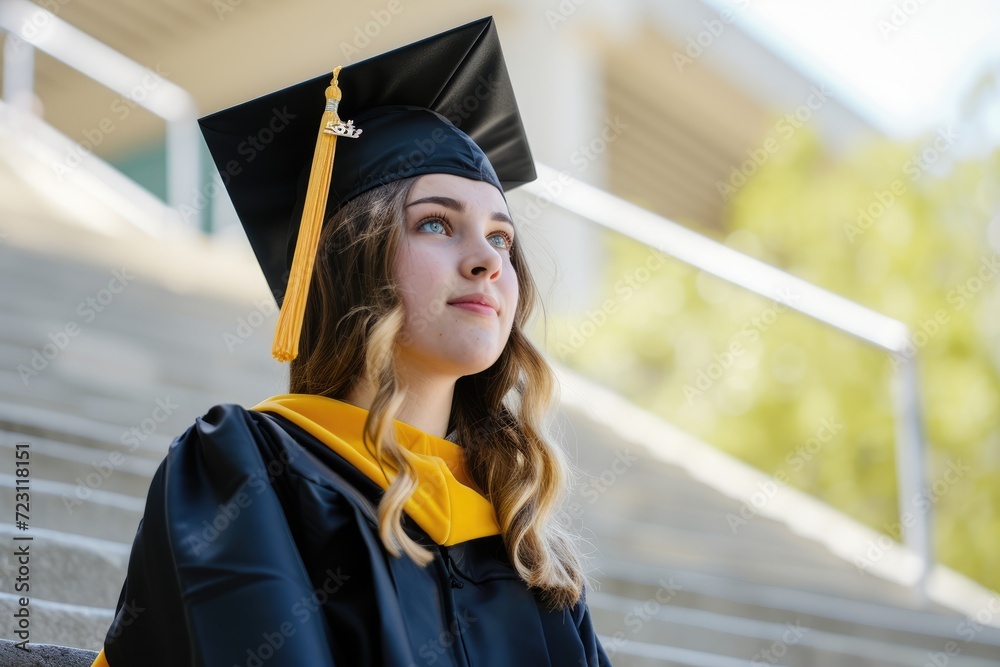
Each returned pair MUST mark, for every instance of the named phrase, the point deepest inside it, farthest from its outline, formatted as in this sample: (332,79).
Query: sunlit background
(735,433)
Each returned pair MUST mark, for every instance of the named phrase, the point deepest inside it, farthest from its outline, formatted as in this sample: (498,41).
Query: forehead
(470,192)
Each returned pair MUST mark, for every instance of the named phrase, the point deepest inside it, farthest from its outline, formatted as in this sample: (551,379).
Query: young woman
(400,506)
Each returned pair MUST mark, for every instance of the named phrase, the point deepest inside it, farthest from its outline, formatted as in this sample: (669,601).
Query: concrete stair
(672,584)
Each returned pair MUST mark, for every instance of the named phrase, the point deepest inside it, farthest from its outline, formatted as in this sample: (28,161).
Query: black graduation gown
(259,547)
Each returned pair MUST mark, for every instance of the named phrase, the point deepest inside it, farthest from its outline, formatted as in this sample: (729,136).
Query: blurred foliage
(789,395)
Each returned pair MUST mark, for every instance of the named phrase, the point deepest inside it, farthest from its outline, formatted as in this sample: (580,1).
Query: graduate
(401,505)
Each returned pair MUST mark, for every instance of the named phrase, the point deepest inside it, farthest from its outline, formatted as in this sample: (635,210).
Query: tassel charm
(343,129)
(289,327)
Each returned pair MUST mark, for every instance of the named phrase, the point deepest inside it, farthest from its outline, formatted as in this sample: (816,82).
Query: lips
(479,302)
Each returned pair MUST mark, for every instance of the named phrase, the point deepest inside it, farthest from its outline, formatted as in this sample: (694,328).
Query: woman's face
(455,247)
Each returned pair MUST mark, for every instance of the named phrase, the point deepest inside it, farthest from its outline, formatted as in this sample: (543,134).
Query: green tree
(902,228)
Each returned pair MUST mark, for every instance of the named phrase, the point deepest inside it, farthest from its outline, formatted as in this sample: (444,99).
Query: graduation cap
(440,105)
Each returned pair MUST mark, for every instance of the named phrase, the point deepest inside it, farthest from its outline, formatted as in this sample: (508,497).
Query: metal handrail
(30,27)
(701,252)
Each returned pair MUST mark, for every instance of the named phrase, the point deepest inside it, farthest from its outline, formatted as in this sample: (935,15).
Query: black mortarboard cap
(440,105)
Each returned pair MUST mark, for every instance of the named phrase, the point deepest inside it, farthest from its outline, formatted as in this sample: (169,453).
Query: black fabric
(259,547)
(261,147)
(407,141)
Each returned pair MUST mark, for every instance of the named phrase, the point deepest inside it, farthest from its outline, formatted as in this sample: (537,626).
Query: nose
(482,258)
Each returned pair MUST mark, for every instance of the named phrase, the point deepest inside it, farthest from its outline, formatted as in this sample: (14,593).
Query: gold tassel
(289,327)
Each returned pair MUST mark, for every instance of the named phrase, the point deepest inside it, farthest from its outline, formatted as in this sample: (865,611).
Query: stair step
(104,514)
(68,568)
(86,467)
(170,322)
(58,623)
(634,653)
(929,629)
(755,641)
(72,429)
(780,560)
(44,655)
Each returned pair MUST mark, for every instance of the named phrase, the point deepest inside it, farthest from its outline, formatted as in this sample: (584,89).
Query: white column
(18,73)
(558,82)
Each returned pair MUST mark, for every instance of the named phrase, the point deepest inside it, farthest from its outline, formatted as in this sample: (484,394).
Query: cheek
(511,294)
(403,266)
(403,272)
(419,285)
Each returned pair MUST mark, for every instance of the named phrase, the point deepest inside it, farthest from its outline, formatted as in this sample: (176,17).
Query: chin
(458,356)
(471,364)
(478,366)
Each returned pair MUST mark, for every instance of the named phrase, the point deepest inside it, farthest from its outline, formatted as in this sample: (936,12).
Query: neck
(426,403)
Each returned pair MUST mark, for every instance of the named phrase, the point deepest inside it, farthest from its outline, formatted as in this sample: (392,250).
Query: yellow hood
(447,503)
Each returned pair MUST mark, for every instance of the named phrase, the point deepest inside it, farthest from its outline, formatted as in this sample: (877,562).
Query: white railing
(29,27)
(667,236)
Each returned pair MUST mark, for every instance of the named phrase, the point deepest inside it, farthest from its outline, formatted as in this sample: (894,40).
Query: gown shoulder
(259,545)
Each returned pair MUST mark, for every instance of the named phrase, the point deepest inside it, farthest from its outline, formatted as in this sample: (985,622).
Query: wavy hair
(497,414)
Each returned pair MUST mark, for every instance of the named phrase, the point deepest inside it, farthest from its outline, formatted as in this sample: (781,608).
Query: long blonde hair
(497,414)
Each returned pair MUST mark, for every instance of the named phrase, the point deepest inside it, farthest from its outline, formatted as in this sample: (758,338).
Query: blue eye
(433,221)
(508,241)
(442,228)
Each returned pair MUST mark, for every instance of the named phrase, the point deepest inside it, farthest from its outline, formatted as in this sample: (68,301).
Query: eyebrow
(455,205)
